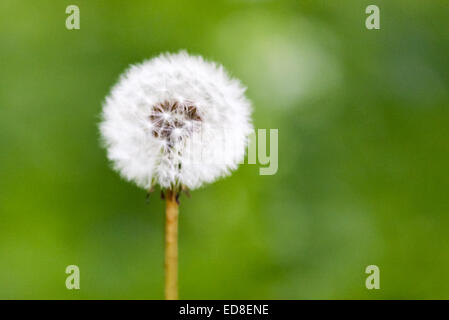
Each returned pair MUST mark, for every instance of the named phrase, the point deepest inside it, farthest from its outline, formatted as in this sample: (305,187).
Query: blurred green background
(363,152)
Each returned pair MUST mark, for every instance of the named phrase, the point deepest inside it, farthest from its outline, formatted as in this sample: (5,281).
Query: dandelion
(179,122)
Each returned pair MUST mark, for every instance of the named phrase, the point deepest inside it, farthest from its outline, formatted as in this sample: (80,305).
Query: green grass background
(363,152)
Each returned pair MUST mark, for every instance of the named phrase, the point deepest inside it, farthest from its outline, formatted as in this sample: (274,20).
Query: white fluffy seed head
(176,120)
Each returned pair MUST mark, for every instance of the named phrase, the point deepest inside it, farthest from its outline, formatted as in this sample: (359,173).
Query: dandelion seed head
(169,110)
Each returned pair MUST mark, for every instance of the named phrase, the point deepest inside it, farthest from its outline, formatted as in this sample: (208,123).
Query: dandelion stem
(171,246)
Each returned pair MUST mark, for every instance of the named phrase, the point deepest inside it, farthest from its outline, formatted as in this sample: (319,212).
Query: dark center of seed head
(168,116)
